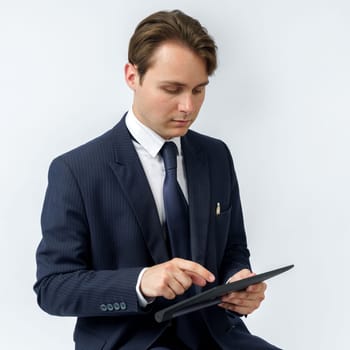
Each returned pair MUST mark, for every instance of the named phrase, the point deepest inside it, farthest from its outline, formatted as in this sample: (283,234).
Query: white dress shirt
(148,144)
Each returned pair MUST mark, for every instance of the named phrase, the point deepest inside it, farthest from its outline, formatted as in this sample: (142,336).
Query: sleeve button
(116,306)
(103,307)
(123,305)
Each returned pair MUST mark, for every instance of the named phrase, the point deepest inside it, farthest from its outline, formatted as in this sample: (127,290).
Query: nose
(186,104)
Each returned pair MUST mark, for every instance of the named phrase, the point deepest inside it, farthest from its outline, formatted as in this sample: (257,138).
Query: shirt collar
(146,137)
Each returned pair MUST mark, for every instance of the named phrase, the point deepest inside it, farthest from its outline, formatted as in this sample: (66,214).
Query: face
(172,91)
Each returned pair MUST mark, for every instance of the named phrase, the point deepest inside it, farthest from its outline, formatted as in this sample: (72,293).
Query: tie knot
(169,153)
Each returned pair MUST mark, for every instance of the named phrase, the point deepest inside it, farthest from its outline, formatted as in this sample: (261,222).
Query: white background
(280,99)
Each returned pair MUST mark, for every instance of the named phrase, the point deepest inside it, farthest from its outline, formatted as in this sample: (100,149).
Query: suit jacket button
(103,307)
(110,307)
(123,305)
(116,306)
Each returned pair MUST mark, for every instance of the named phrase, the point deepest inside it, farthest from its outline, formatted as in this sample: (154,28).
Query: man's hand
(173,278)
(247,301)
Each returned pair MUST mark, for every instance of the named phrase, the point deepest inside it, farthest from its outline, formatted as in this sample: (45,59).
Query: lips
(182,121)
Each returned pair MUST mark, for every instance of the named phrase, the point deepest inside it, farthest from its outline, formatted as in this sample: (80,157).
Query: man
(113,252)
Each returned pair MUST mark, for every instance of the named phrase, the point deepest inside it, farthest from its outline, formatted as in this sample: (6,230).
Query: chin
(179,133)
(174,132)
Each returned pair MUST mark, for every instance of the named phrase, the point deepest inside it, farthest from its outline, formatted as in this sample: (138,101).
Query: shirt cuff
(143,301)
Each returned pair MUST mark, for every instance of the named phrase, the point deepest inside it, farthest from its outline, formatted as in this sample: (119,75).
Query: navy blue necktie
(176,208)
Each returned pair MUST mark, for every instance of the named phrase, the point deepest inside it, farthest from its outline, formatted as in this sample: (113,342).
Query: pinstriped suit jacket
(100,227)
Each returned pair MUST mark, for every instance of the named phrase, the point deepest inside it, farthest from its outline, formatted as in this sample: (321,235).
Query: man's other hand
(247,301)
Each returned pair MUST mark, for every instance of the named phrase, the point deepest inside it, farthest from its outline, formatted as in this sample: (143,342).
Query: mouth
(182,121)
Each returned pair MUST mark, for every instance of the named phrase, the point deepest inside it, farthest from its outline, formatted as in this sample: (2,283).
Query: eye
(172,89)
(198,91)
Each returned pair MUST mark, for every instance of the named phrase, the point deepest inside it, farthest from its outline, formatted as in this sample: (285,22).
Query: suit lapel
(197,174)
(130,174)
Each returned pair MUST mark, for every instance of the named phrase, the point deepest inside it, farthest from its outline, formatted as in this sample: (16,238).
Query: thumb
(241,274)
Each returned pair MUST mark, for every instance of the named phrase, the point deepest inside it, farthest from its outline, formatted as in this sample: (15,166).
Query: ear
(131,76)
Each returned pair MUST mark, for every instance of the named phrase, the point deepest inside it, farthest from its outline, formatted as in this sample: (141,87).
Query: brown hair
(166,26)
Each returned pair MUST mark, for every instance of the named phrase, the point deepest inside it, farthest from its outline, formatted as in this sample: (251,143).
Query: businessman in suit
(123,239)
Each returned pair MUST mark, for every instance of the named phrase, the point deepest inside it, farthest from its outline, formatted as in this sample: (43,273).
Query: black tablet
(213,296)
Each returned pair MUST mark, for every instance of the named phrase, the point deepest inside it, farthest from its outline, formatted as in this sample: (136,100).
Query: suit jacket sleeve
(236,255)
(66,283)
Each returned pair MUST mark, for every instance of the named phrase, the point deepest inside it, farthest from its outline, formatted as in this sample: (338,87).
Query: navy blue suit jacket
(100,227)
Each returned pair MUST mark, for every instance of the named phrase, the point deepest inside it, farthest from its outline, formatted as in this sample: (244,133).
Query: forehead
(176,62)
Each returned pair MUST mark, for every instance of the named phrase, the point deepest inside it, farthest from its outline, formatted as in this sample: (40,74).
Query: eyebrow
(177,83)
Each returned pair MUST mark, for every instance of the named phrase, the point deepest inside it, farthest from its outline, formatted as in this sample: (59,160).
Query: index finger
(258,287)
(194,269)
